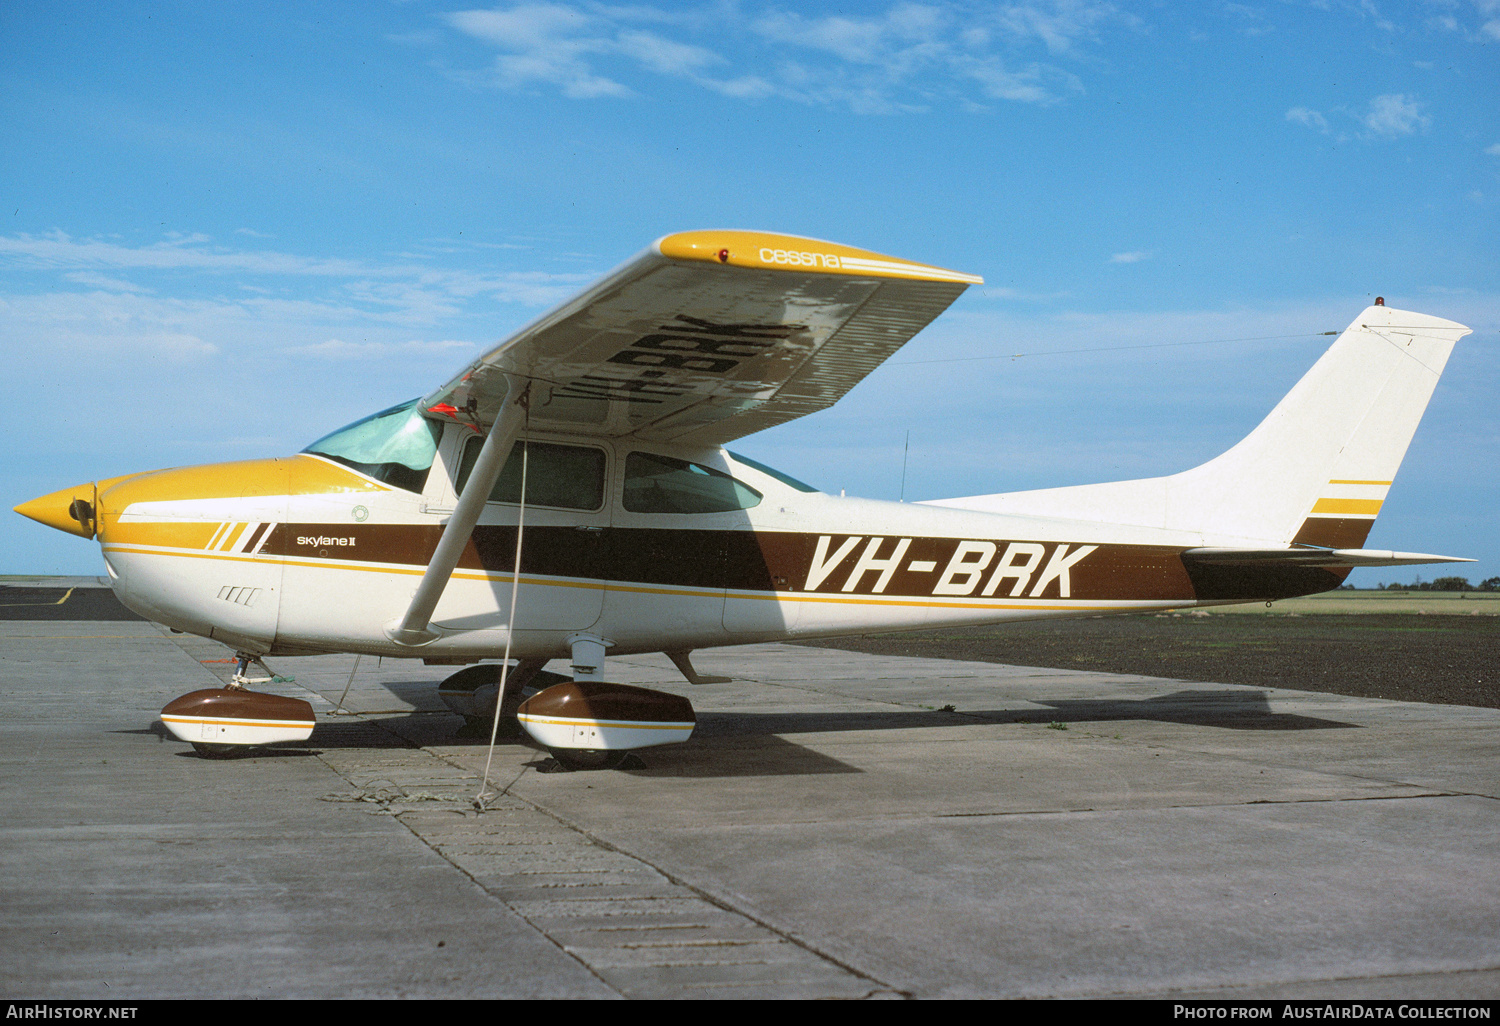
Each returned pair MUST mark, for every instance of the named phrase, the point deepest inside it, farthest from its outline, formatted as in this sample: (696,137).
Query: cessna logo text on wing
(795,258)
(649,536)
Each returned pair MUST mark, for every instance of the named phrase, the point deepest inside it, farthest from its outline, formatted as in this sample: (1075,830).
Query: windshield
(395,446)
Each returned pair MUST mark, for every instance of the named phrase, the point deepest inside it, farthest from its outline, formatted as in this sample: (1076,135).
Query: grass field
(1449,603)
(1426,657)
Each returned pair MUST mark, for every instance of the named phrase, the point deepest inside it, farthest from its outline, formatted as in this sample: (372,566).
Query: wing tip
(779,252)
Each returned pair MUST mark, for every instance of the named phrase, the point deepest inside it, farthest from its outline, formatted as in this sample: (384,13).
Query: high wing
(706,337)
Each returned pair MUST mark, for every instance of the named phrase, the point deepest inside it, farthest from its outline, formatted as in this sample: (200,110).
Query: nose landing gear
(222,722)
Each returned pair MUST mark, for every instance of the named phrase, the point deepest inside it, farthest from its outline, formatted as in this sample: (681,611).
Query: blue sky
(234,228)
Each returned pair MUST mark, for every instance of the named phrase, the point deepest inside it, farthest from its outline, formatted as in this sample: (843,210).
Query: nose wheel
(589,759)
(209,751)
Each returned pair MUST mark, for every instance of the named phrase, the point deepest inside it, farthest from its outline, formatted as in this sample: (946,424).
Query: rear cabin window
(660,484)
(395,446)
(563,476)
(786,479)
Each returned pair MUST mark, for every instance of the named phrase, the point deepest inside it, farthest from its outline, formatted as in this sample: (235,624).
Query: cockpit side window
(660,484)
(562,476)
(396,446)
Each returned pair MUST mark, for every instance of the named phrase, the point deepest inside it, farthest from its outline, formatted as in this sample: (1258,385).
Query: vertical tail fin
(1315,471)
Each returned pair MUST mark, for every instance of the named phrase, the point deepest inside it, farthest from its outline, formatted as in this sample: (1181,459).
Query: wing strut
(415,627)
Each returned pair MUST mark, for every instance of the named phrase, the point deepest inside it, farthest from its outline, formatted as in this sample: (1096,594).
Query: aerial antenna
(904,452)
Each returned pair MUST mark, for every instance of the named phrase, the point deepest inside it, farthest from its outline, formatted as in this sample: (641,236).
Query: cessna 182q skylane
(398,535)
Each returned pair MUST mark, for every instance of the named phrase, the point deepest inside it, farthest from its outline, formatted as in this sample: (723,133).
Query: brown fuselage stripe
(255,536)
(1334,532)
(779,562)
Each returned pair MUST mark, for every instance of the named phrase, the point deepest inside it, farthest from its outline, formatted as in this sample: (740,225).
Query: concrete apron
(829,830)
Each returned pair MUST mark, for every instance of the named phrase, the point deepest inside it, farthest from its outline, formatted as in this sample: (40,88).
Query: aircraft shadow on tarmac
(1231,710)
(733,744)
(163,735)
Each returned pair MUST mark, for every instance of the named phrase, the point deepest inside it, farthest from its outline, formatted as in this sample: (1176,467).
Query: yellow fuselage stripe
(711,593)
(1356,507)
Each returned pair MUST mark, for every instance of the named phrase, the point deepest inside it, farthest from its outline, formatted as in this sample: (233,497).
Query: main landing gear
(471,693)
(588,723)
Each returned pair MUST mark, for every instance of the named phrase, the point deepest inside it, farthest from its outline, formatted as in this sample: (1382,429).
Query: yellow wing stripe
(767,251)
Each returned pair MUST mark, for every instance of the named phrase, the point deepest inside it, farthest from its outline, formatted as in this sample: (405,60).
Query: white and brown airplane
(406,534)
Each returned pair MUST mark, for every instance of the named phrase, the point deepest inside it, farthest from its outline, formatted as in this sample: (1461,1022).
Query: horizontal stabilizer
(1314,557)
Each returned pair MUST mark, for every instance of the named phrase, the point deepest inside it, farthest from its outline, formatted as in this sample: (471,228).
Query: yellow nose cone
(71,510)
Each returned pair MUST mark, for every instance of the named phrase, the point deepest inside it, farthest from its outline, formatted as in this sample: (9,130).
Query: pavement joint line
(385,804)
(410,828)
(448,856)
(917,817)
(723,904)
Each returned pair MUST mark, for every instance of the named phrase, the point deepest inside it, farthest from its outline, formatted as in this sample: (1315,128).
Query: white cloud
(1494,150)
(104,281)
(59,250)
(901,58)
(1388,116)
(1251,20)
(410,286)
(1134,257)
(250,314)
(904,35)
(1394,114)
(1490,11)
(1381,22)
(548,43)
(664,56)
(1310,118)
(1058,25)
(337,349)
(1035,84)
